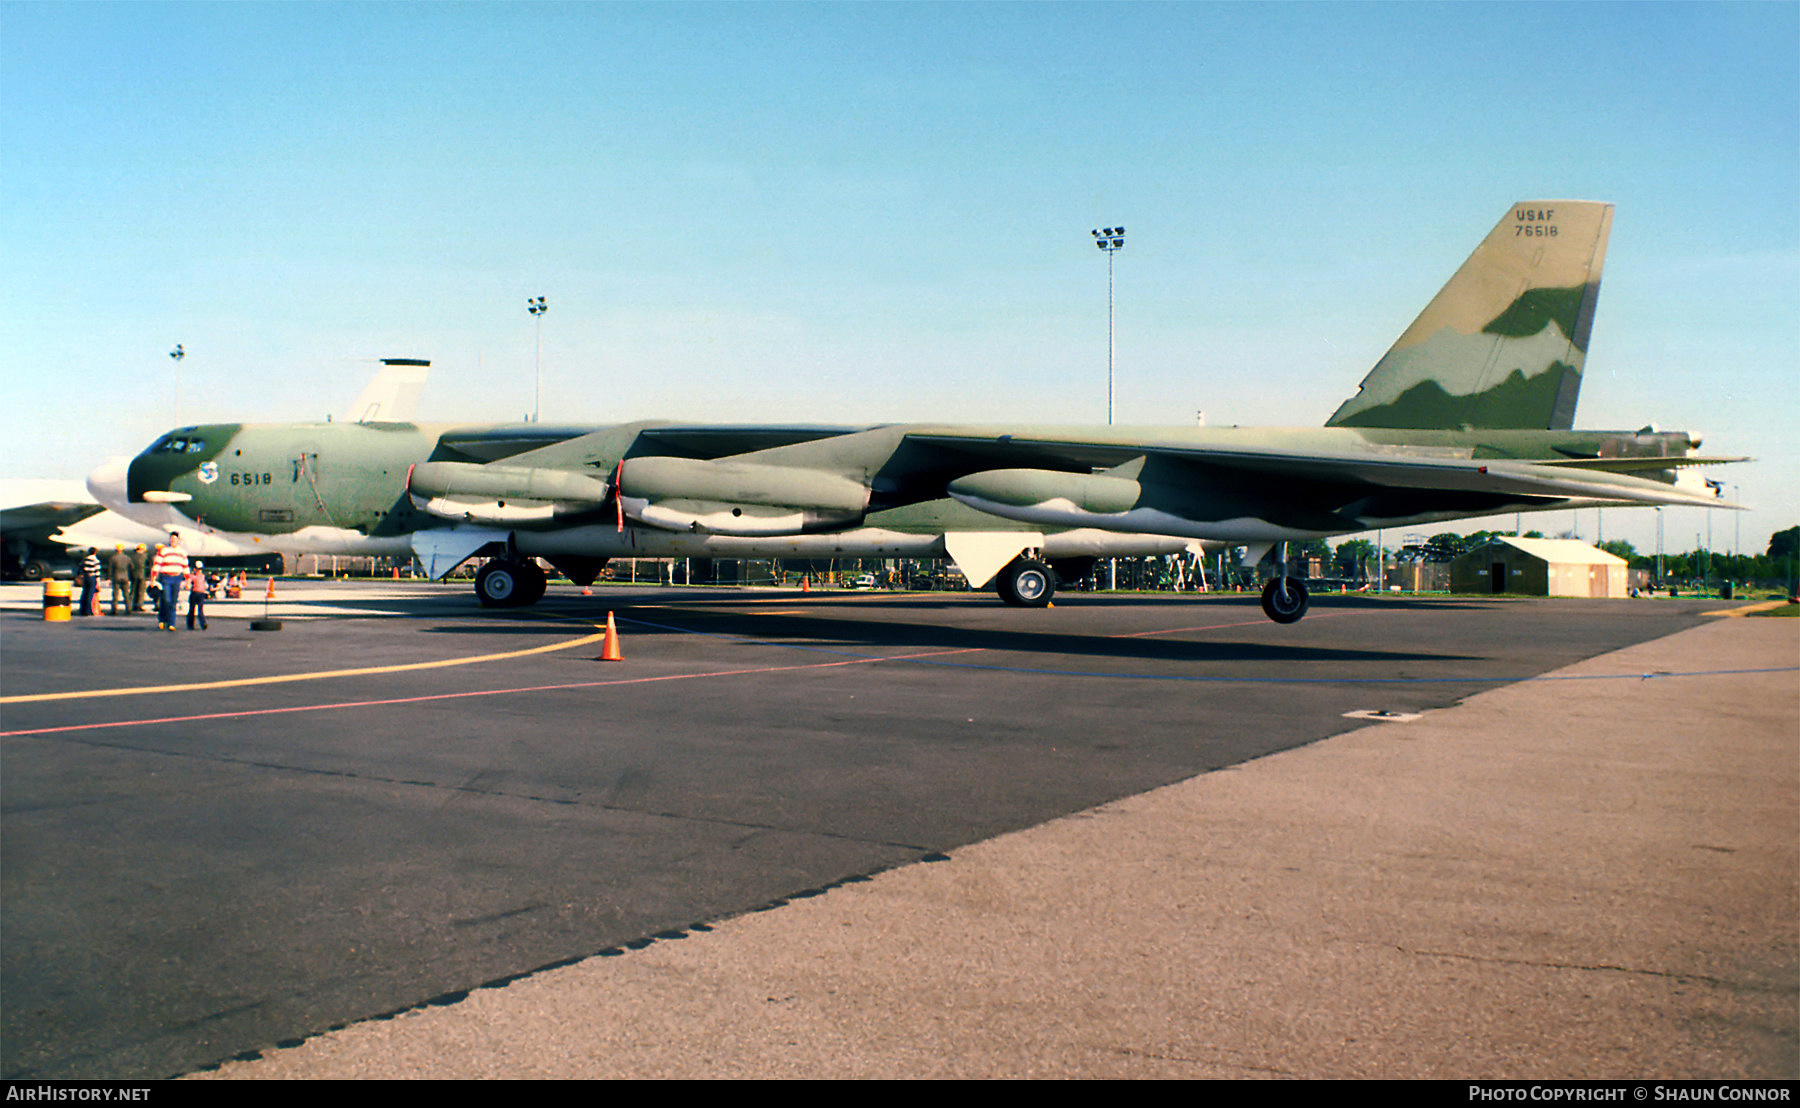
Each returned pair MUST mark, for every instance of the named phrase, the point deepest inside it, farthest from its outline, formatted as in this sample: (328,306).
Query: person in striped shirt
(169,571)
(90,583)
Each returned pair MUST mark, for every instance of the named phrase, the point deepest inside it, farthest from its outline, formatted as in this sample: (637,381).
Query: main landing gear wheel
(505,584)
(1026,583)
(1284,599)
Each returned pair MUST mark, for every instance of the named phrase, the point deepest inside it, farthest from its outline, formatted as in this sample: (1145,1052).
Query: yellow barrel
(56,600)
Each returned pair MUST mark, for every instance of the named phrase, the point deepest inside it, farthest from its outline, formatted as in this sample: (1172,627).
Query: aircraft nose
(108,483)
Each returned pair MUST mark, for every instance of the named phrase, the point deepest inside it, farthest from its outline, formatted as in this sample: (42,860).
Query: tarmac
(1591,874)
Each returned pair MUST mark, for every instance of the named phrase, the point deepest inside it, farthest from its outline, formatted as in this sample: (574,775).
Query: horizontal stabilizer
(1551,480)
(1636,465)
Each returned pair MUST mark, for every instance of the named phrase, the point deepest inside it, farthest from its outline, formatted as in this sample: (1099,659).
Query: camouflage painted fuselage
(344,486)
(1467,415)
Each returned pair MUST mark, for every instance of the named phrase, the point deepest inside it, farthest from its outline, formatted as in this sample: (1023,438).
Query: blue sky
(846,213)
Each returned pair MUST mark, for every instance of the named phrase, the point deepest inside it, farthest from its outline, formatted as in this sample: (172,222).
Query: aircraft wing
(809,480)
(716,441)
(1214,490)
(1562,478)
(1473,475)
(33,514)
(45,517)
(35,509)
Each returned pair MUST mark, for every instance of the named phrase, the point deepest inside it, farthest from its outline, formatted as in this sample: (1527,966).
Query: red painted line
(476,692)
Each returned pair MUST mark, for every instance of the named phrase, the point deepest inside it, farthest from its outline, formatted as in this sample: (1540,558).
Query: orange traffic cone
(609,651)
(270,594)
(806,584)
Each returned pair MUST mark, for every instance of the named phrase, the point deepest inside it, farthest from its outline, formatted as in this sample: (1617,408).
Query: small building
(1539,567)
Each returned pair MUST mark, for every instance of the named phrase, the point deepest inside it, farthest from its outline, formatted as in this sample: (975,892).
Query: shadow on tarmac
(878,632)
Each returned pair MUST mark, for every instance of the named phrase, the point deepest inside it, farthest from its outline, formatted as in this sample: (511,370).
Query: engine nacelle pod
(740,484)
(1048,496)
(496,482)
(717,518)
(503,496)
(492,513)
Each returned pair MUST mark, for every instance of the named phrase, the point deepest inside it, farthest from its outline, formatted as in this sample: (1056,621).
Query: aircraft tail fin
(393,393)
(1501,345)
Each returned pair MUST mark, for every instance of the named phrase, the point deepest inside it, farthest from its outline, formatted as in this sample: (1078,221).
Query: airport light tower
(1737,521)
(1111,240)
(537,308)
(178,353)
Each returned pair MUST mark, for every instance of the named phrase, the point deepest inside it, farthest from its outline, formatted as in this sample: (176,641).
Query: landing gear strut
(1026,583)
(507,583)
(1284,598)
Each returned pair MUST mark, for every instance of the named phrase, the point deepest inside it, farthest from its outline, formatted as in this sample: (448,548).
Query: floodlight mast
(178,353)
(1111,240)
(537,308)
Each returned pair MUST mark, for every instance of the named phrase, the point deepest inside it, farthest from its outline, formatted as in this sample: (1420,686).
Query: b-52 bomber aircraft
(1469,414)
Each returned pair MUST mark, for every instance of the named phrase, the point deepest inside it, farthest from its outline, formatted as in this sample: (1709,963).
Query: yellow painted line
(1749,609)
(284,678)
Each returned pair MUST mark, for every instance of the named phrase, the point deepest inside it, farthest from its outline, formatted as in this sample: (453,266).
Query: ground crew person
(136,574)
(118,568)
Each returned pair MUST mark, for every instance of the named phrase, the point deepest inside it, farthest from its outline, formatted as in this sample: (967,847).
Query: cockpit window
(178,444)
